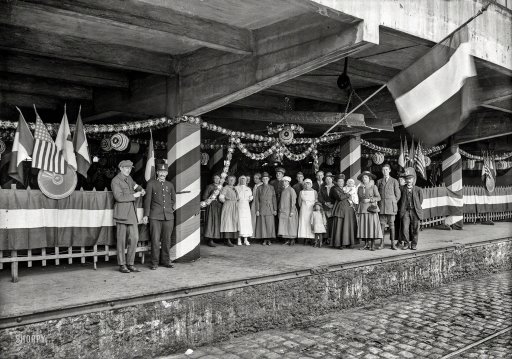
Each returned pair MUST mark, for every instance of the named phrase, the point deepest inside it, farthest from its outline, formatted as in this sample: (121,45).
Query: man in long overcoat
(265,204)
(389,191)
(159,211)
(288,219)
(125,191)
(411,211)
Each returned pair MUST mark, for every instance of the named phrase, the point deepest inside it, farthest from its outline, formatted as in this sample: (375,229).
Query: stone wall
(166,326)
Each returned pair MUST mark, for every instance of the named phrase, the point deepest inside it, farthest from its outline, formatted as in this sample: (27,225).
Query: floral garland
(293,127)
(256,156)
(395,152)
(223,175)
(504,156)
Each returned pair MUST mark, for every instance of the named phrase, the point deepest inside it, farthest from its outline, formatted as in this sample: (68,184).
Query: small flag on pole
(64,142)
(83,159)
(419,162)
(150,164)
(22,149)
(411,155)
(406,153)
(401,157)
(435,94)
(46,155)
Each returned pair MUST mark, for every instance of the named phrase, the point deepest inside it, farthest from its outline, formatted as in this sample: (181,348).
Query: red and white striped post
(184,160)
(452,177)
(350,163)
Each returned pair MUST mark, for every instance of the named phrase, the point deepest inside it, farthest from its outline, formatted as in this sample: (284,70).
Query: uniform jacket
(389,195)
(367,192)
(417,197)
(278,187)
(265,201)
(123,189)
(160,199)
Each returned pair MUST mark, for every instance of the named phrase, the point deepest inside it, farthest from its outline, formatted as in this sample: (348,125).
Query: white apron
(244,211)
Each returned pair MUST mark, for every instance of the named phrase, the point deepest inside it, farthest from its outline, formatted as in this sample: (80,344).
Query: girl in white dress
(307,199)
(244,211)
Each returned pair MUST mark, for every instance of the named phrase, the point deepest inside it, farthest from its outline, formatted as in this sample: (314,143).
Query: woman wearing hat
(265,204)
(344,224)
(257,183)
(229,216)
(244,211)
(325,197)
(288,213)
(369,227)
(213,213)
(307,199)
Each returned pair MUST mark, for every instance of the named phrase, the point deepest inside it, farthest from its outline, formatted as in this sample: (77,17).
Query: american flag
(419,162)
(46,155)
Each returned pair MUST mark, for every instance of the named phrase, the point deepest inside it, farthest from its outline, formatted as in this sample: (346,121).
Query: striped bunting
(350,163)
(183,157)
(435,91)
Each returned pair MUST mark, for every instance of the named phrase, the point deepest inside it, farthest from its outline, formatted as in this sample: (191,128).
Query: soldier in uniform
(159,210)
(125,191)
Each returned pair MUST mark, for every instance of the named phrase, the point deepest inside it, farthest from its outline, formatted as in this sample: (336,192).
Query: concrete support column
(452,178)
(350,163)
(183,157)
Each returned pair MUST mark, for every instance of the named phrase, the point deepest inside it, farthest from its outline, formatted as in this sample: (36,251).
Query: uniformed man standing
(125,190)
(159,209)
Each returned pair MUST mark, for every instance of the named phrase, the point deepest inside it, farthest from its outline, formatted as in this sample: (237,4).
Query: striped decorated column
(184,160)
(350,152)
(452,178)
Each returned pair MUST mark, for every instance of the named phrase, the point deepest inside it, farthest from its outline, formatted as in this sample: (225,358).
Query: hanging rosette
(106,144)
(428,161)
(204,158)
(378,158)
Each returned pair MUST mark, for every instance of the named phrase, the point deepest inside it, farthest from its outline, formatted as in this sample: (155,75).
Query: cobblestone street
(423,325)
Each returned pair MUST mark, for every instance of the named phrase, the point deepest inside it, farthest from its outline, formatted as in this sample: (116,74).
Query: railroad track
(477,343)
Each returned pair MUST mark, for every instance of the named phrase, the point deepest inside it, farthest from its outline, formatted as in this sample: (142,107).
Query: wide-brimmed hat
(329,174)
(125,163)
(265,174)
(287,178)
(280,169)
(366,173)
(340,176)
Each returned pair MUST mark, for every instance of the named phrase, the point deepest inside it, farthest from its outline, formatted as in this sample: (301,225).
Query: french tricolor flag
(436,94)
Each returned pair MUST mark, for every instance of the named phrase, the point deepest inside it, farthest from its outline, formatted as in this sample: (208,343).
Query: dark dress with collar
(344,224)
(213,214)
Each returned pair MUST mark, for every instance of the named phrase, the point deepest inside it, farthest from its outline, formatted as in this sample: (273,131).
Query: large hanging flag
(64,142)
(401,157)
(83,158)
(46,155)
(22,149)
(419,162)
(150,164)
(436,93)
(411,155)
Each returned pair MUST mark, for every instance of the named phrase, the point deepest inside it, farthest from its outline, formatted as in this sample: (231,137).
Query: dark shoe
(393,248)
(211,243)
(168,265)
(404,246)
(287,242)
(292,242)
(133,269)
(229,244)
(413,248)
(153,267)
(123,269)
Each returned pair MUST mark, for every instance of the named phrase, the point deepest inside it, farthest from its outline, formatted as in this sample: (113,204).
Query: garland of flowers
(502,157)
(223,175)
(293,127)
(395,152)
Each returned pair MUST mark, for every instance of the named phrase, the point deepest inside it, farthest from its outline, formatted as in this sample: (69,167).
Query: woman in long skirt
(266,210)
(369,228)
(245,228)
(257,183)
(229,215)
(343,231)
(307,199)
(213,212)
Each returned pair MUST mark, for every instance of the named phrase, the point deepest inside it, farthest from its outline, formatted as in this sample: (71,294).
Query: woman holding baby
(343,232)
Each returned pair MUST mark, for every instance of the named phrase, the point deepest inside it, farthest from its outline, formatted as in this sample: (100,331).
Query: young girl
(318,223)
(351,190)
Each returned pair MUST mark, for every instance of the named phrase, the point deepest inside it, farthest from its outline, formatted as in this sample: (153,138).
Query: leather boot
(211,243)
(228,243)
(392,237)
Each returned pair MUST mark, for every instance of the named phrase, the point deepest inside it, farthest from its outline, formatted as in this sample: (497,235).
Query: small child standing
(318,223)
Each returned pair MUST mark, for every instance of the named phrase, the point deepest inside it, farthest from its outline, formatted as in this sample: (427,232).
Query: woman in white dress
(307,199)
(245,228)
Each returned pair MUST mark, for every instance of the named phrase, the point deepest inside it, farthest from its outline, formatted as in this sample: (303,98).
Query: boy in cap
(125,190)
(299,185)
(410,210)
(159,211)
(277,183)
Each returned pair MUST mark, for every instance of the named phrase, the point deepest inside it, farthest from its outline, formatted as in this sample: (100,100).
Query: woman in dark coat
(343,232)
(369,228)
(213,213)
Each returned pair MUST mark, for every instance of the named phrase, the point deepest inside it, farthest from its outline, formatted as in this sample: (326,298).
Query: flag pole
(354,109)
(480,12)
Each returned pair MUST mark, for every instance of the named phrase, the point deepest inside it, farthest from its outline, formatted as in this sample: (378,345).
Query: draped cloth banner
(30,220)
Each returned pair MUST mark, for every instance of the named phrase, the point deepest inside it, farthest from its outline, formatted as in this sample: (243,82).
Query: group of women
(270,210)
